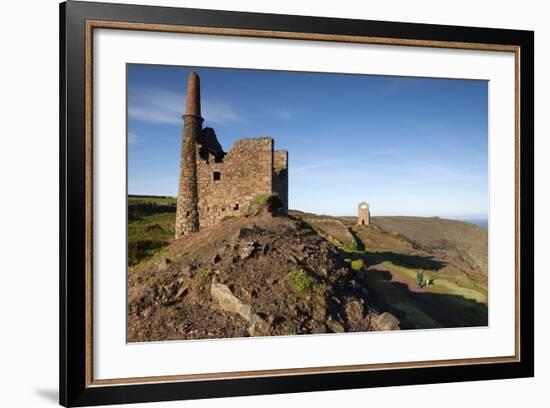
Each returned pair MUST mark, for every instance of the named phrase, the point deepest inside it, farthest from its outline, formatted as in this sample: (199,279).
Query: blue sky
(407,146)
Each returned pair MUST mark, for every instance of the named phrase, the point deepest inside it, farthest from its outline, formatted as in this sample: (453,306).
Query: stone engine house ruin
(363,214)
(214,184)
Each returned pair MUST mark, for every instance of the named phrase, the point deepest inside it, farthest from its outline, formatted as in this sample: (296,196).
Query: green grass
(357,265)
(152,231)
(300,281)
(414,315)
(349,248)
(158,200)
(204,277)
(456,298)
(261,199)
(443,283)
(334,241)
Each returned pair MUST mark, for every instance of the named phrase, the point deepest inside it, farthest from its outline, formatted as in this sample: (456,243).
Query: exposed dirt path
(397,277)
(446,309)
(421,307)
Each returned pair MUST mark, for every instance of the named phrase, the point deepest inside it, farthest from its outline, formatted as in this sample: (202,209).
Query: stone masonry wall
(280,176)
(226,185)
(214,184)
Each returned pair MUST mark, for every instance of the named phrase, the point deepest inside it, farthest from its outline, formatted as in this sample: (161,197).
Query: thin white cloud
(132,138)
(216,111)
(308,167)
(283,114)
(155,105)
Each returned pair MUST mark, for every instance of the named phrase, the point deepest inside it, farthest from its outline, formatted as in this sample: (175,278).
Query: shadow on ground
(418,309)
(446,310)
(360,244)
(406,261)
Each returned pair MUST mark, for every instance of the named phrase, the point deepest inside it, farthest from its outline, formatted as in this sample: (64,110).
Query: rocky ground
(254,275)
(266,274)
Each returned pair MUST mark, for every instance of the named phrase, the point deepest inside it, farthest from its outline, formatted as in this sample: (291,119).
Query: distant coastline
(482,222)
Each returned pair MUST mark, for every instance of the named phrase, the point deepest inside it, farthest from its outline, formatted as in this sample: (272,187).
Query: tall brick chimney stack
(193,101)
(187,213)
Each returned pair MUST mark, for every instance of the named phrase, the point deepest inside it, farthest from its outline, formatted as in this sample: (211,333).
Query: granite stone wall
(214,184)
(225,186)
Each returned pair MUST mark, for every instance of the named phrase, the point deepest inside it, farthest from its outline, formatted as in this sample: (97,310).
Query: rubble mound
(255,275)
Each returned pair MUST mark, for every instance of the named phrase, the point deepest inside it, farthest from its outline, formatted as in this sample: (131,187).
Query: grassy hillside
(452,254)
(385,257)
(150,226)
(466,242)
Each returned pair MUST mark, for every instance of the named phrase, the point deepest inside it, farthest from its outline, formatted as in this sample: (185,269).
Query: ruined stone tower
(213,184)
(187,213)
(363,214)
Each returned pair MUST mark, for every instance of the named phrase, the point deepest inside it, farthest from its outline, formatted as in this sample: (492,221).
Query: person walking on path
(419,278)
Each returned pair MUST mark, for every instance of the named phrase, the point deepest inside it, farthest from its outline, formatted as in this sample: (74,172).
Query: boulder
(385,321)
(334,326)
(247,249)
(230,303)
(354,311)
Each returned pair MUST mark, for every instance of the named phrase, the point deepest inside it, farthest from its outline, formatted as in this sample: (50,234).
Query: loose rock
(354,311)
(247,249)
(385,321)
(231,303)
(181,292)
(189,270)
(335,326)
(164,264)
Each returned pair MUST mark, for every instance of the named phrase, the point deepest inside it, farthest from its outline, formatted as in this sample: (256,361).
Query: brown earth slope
(303,273)
(452,255)
(257,275)
(466,243)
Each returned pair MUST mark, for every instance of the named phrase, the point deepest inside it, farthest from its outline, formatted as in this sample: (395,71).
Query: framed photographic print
(255,204)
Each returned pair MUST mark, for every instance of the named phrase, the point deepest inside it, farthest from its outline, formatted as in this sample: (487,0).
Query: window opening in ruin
(362,222)
(236,206)
(217,176)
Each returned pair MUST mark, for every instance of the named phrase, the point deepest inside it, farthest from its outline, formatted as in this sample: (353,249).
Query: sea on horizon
(482,222)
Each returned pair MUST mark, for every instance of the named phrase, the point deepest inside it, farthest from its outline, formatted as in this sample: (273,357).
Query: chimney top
(193,102)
